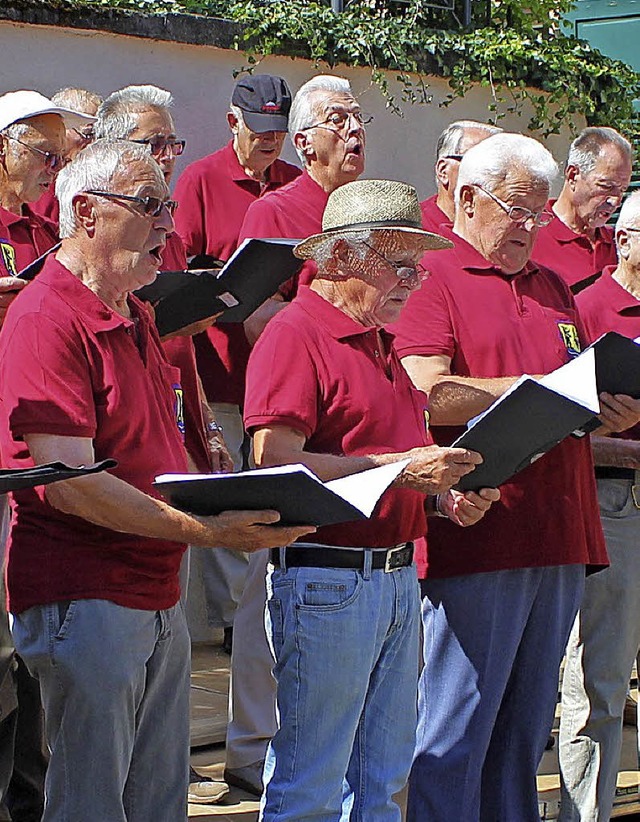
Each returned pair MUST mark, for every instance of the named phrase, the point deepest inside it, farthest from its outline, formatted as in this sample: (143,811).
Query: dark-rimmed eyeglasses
(457,157)
(52,160)
(150,206)
(520,214)
(402,271)
(337,120)
(159,146)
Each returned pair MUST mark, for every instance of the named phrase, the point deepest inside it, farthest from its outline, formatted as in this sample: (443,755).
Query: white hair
(586,148)
(95,167)
(16,130)
(451,139)
(116,116)
(301,113)
(488,163)
(77,99)
(629,215)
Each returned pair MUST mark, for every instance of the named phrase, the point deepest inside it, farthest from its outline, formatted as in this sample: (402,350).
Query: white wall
(201,78)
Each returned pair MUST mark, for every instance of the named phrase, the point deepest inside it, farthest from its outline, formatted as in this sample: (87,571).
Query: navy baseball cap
(265,101)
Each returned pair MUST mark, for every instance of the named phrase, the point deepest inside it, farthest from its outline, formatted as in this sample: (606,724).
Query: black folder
(296,493)
(520,427)
(16,479)
(253,274)
(617,364)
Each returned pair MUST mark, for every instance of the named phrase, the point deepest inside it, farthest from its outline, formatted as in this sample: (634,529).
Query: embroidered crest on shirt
(9,258)
(570,338)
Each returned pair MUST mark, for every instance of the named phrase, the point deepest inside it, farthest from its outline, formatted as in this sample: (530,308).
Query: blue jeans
(493,644)
(115,691)
(346,650)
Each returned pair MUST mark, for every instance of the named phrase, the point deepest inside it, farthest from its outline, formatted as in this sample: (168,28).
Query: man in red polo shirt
(498,604)
(605,639)
(455,140)
(32,141)
(325,388)
(214,194)
(578,244)
(93,567)
(326,126)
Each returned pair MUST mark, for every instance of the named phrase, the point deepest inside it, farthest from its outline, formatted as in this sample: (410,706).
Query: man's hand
(9,288)
(248,531)
(219,456)
(468,508)
(195,328)
(433,470)
(618,413)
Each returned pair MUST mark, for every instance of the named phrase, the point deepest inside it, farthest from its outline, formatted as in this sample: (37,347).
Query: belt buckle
(396,557)
(635,494)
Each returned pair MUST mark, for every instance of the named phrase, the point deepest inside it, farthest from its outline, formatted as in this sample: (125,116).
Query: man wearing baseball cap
(214,194)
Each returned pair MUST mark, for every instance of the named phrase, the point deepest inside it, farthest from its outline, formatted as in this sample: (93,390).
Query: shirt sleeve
(47,387)
(260,221)
(189,218)
(425,327)
(282,389)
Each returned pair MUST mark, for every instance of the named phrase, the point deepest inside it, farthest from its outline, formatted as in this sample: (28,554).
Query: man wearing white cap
(32,143)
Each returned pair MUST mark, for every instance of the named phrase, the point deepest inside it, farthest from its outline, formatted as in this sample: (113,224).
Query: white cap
(21,105)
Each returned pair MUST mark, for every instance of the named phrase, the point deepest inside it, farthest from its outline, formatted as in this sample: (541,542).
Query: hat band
(374,224)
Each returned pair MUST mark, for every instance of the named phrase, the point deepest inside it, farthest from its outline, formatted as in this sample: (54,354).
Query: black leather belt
(611,472)
(325,556)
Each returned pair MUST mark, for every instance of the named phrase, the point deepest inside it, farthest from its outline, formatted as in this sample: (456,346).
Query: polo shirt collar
(9,218)
(96,315)
(615,297)
(307,189)
(239,175)
(472,260)
(337,323)
(561,232)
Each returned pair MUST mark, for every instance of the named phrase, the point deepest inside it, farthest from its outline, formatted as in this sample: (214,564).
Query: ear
(622,243)
(3,148)
(442,172)
(232,121)
(570,174)
(337,264)
(467,202)
(85,213)
(302,143)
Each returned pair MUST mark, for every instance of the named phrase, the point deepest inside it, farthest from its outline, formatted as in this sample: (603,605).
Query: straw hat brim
(428,241)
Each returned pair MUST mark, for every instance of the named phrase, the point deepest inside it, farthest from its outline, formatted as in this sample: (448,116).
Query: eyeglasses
(159,146)
(457,157)
(85,133)
(150,206)
(520,214)
(52,160)
(402,271)
(338,120)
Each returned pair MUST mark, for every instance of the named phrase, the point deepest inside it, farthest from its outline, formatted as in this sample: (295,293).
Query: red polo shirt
(493,325)
(318,371)
(433,217)
(214,194)
(47,206)
(607,306)
(29,233)
(70,366)
(573,256)
(181,353)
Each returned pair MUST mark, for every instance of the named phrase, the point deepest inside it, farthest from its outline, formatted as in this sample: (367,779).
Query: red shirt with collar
(433,217)
(48,206)
(71,366)
(319,372)
(607,306)
(573,256)
(29,234)
(180,352)
(214,194)
(493,325)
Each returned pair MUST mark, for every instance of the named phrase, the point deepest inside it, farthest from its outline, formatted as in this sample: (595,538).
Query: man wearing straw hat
(326,389)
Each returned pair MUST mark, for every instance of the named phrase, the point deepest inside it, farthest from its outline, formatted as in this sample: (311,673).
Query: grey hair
(488,163)
(586,148)
(630,212)
(95,167)
(116,116)
(237,112)
(77,99)
(301,113)
(450,140)
(16,130)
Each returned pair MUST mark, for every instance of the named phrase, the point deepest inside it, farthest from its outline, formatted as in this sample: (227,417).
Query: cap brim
(428,241)
(71,118)
(260,123)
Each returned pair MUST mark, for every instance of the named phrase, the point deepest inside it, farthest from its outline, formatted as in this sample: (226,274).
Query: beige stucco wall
(201,79)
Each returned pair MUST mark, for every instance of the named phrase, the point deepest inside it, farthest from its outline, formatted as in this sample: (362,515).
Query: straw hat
(372,205)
